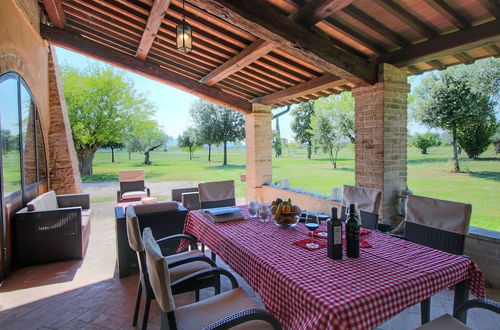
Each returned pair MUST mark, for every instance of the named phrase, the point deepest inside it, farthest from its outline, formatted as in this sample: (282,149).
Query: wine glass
(264,213)
(253,208)
(312,223)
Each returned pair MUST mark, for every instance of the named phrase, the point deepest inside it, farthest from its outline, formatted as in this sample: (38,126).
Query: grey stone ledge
(484,234)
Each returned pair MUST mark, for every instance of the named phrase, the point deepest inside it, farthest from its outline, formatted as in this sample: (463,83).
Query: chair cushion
(179,256)
(179,272)
(155,208)
(444,322)
(44,202)
(215,308)
(87,212)
(134,194)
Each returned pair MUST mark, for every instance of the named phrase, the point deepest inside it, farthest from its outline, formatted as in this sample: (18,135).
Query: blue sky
(173,105)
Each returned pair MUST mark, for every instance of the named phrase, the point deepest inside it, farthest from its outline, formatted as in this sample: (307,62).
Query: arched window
(23,151)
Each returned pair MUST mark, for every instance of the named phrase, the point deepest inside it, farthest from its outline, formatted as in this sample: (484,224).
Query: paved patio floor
(87,294)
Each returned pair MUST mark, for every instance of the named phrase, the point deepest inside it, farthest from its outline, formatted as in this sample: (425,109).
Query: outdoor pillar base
(381,136)
(258,150)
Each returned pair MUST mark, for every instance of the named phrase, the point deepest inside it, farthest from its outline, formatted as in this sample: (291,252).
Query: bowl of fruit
(285,214)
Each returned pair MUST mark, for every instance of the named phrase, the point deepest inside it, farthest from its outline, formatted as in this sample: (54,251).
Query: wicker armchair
(132,186)
(189,197)
(222,311)
(216,194)
(52,228)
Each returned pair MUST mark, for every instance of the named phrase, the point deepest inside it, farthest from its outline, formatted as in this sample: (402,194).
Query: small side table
(126,258)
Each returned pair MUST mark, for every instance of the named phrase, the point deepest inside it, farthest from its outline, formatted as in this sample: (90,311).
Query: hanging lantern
(184,35)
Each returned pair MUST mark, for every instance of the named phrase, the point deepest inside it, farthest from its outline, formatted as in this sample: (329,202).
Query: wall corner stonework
(64,176)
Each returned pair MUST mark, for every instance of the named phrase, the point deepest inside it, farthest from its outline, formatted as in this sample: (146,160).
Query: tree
(230,128)
(343,107)
(187,141)
(425,141)
(205,119)
(277,143)
(148,136)
(327,133)
(301,124)
(475,139)
(447,102)
(100,101)
(495,139)
(112,146)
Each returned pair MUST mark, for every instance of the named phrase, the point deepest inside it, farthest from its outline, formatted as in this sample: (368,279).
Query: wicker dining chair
(181,264)
(447,321)
(216,194)
(132,186)
(368,199)
(222,311)
(439,224)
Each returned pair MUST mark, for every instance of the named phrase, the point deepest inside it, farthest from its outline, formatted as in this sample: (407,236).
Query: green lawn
(428,174)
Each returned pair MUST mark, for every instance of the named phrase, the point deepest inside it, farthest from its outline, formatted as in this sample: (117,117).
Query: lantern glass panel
(184,38)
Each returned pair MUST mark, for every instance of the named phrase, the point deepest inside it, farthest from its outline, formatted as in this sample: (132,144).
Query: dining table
(305,289)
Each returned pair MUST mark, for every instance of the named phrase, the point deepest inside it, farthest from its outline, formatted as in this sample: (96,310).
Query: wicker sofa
(52,227)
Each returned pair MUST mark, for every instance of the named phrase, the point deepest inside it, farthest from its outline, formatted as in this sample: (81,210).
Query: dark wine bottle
(352,233)
(334,244)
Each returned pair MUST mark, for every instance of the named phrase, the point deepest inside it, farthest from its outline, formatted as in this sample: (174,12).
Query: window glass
(28,130)
(9,123)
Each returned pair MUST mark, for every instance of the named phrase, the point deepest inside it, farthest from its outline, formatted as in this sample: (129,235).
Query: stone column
(381,136)
(64,176)
(258,150)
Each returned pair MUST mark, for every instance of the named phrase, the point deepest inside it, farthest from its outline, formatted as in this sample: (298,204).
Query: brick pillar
(258,150)
(63,164)
(381,142)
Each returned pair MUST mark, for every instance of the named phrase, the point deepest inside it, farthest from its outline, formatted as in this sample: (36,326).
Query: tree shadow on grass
(344,169)
(427,160)
(104,177)
(225,167)
(488,175)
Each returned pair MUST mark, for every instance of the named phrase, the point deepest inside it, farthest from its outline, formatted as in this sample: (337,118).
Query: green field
(428,175)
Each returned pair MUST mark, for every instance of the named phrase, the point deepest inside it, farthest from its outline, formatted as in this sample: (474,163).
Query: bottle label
(337,235)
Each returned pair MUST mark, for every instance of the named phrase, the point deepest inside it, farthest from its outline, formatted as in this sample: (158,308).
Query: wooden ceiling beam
(55,11)
(314,85)
(493,50)
(103,53)
(250,54)
(407,18)
(316,11)
(152,25)
(356,36)
(267,23)
(437,65)
(445,10)
(493,6)
(446,45)
(464,58)
(376,26)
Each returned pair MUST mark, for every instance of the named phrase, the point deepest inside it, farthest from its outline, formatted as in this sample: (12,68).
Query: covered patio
(252,57)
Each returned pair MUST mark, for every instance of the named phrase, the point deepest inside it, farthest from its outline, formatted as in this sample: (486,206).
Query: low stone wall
(483,246)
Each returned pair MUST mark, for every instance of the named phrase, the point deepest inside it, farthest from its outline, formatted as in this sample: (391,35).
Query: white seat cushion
(87,212)
(44,202)
(444,322)
(207,311)
(182,255)
(134,194)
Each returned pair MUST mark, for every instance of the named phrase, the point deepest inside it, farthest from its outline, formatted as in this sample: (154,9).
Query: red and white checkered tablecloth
(307,290)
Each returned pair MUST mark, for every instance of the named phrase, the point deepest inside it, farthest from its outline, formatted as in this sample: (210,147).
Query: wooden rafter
(407,18)
(316,11)
(326,81)
(437,65)
(267,23)
(446,45)
(376,26)
(464,58)
(55,11)
(355,35)
(247,56)
(493,6)
(493,50)
(445,10)
(103,53)
(152,25)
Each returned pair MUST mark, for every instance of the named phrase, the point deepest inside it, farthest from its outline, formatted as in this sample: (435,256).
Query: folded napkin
(364,231)
(320,233)
(303,244)
(362,243)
